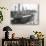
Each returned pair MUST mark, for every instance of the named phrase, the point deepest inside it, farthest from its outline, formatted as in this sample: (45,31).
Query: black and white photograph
(25,14)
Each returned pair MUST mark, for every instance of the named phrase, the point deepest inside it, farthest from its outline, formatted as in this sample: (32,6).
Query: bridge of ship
(24,13)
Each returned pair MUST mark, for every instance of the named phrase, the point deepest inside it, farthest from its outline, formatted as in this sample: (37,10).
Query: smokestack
(19,7)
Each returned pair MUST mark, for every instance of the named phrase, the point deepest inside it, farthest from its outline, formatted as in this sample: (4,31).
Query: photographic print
(25,14)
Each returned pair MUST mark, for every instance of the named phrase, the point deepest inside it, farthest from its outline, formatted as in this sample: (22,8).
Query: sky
(25,6)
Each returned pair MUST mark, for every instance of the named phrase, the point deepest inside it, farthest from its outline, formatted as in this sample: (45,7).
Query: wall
(23,30)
